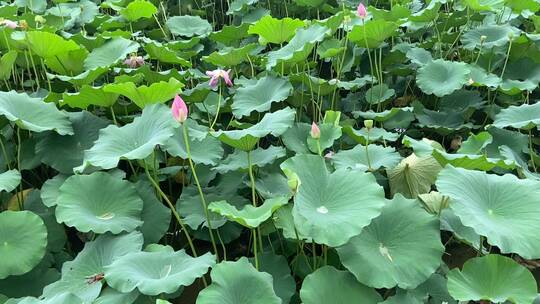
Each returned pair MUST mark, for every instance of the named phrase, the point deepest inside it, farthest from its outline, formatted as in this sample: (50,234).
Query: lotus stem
(201,194)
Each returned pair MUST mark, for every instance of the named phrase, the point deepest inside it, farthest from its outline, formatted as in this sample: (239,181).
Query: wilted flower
(134,61)
(217,74)
(361,11)
(9,23)
(179,109)
(315,131)
(39,19)
(23,25)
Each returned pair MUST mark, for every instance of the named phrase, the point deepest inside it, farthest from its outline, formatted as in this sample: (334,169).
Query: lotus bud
(361,11)
(179,109)
(8,23)
(368,124)
(315,131)
(293,181)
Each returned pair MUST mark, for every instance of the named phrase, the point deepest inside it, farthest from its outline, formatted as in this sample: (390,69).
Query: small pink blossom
(179,109)
(134,61)
(361,11)
(315,131)
(215,75)
(8,23)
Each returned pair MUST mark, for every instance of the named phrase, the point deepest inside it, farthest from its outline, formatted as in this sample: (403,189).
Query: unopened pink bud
(315,131)
(179,109)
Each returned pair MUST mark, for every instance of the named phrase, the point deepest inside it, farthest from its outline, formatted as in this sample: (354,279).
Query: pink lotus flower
(8,23)
(134,61)
(315,131)
(361,11)
(179,109)
(216,75)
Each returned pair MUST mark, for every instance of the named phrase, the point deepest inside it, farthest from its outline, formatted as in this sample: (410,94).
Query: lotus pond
(269,151)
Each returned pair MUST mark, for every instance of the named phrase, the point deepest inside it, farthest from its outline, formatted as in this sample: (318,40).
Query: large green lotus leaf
(524,117)
(379,93)
(237,6)
(230,34)
(136,140)
(283,219)
(59,298)
(153,273)
(7,62)
(84,78)
(23,239)
(259,157)
(88,95)
(382,255)
(273,30)
(271,184)
(402,297)
(155,216)
(473,162)
(476,143)
(33,114)
(295,139)
(112,296)
(481,77)
(413,176)
(63,153)
(79,13)
(442,122)
(495,36)
(441,77)
(329,285)
(207,150)
(435,289)
(30,283)
(238,283)
(230,56)
(450,222)
(45,44)
(77,274)
(249,216)
(299,47)
(275,124)
(37,6)
(67,63)
(164,54)
(382,116)
(138,9)
(99,202)
(258,95)
(142,96)
(51,189)
(376,134)
(278,267)
(492,278)
(357,158)
(333,207)
(56,235)
(373,33)
(9,180)
(189,26)
(485,5)
(110,53)
(503,208)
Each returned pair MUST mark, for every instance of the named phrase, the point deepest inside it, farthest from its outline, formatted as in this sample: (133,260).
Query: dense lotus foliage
(269,151)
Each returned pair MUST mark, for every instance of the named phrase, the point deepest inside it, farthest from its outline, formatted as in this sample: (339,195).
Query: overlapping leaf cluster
(380,157)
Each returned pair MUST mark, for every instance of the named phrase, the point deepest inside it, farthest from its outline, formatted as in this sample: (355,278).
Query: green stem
(367,152)
(4,151)
(252,180)
(531,150)
(20,192)
(199,188)
(255,255)
(173,209)
(217,110)
(319,150)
